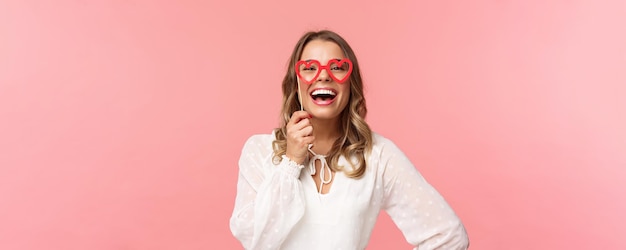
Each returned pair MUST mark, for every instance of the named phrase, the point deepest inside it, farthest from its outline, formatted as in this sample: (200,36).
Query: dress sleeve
(418,210)
(270,199)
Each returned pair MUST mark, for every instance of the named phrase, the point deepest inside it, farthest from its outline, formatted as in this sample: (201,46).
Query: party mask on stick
(339,70)
(309,70)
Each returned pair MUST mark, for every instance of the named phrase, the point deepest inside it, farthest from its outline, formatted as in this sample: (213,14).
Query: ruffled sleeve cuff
(290,167)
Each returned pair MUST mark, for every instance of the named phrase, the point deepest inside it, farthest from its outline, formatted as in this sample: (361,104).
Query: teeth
(323,92)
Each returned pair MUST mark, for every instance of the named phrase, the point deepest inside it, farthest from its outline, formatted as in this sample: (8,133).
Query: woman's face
(324,98)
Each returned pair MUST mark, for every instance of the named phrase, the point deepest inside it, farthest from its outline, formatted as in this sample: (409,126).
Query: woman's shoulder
(379,141)
(383,147)
(260,139)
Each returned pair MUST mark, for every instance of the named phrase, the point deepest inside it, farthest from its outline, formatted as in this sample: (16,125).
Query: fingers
(300,130)
(300,120)
(308,140)
(305,131)
(298,116)
(299,136)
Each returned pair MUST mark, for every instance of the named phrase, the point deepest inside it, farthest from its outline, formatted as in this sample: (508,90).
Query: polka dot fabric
(278,206)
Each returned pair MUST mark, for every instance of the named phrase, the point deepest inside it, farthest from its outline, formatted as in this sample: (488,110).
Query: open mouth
(323,96)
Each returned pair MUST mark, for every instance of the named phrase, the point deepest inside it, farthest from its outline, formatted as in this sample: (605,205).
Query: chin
(325,113)
(325,116)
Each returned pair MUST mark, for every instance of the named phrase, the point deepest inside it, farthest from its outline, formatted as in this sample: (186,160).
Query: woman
(321,178)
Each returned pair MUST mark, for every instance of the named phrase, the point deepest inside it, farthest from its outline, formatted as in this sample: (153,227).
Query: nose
(324,77)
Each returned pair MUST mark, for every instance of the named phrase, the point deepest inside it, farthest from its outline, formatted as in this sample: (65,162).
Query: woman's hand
(299,136)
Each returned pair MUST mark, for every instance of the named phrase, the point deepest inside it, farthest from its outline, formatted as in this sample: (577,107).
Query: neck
(326,131)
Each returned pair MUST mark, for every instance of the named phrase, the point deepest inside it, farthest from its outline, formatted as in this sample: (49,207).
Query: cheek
(304,88)
(345,91)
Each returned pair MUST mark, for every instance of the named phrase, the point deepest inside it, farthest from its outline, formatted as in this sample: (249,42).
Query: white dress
(279,207)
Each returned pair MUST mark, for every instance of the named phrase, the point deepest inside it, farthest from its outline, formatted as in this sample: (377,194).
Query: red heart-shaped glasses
(338,70)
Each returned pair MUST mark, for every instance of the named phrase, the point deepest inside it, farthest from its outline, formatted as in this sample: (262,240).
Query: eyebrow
(338,59)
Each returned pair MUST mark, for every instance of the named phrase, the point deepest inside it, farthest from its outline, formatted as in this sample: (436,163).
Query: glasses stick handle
(300,96)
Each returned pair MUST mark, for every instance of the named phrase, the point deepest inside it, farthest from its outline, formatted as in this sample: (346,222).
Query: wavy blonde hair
(356,141)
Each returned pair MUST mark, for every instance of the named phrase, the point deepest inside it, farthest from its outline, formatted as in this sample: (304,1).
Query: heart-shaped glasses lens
(338,70)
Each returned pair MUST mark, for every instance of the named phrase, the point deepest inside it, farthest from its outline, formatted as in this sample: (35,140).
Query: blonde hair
(356,139)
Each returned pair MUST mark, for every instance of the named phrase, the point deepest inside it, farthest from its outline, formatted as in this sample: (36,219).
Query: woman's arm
(270,199)
(419,211)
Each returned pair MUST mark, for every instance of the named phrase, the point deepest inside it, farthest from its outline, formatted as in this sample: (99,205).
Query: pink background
(121,122)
